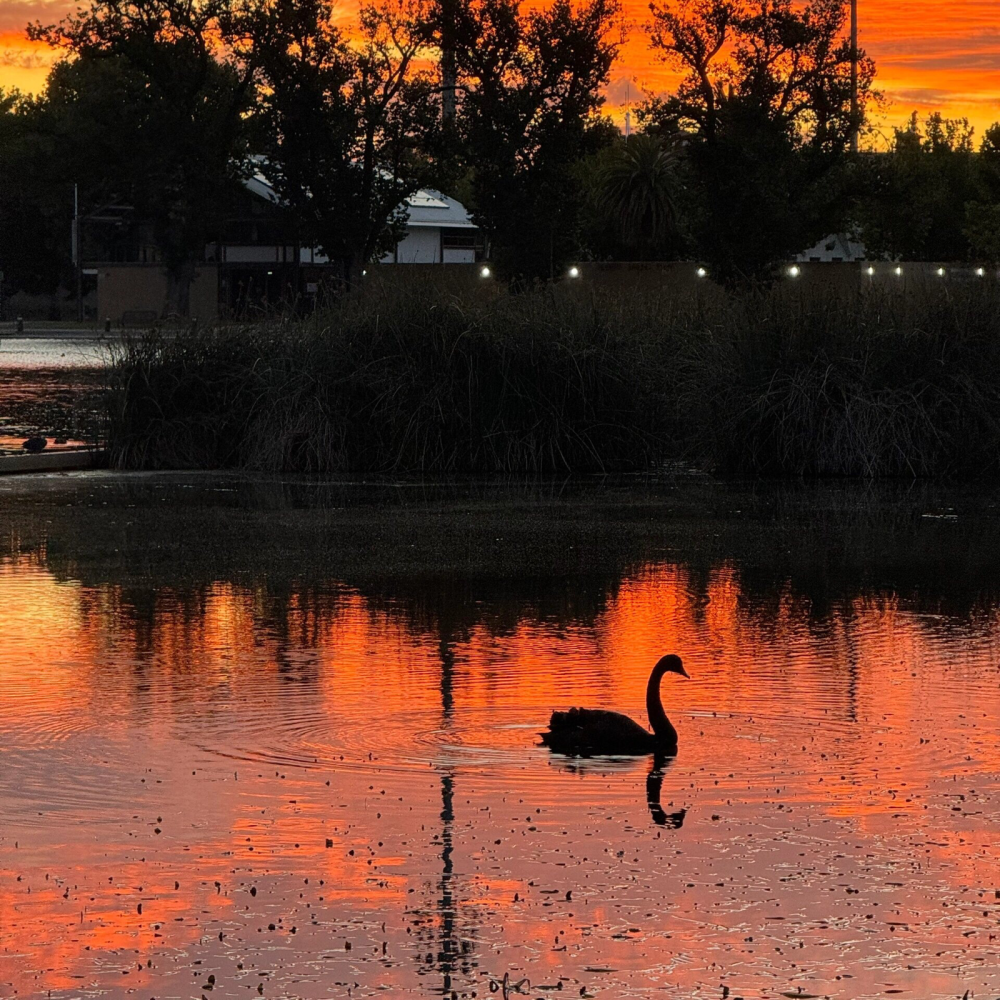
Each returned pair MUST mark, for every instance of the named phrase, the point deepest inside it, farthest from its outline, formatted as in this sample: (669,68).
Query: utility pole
(448,13)
(77,263)
(855,124)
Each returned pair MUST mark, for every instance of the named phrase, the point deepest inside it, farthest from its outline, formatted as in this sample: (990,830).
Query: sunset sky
(930,56)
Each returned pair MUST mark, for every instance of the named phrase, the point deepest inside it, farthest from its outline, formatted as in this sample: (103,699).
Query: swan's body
(588,731)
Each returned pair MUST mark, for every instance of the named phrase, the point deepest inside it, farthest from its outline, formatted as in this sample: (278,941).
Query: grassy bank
(870,384)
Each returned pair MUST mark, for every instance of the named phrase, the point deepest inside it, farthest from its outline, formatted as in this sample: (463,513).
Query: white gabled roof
(424,208)
(258,184)
(427,208)
(843,246)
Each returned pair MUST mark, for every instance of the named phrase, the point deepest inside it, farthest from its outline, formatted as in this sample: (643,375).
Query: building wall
(142,288)
(236,254)
(418,246)
(458,255)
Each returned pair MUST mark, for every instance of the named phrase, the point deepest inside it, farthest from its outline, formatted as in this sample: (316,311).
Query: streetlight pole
(77,263)
(854,76)
(448,12)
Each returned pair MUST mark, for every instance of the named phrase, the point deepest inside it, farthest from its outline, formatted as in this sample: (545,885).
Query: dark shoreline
(827,543)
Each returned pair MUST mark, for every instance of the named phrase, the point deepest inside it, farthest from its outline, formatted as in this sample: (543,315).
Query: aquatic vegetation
(880,383)
(522,385)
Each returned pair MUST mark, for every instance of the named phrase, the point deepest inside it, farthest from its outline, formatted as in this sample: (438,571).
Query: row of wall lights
(793,272)
(485,272)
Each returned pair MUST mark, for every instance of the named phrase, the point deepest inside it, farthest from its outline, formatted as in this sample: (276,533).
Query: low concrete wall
(138,288)
(53,461)
(142,288)
(685,277)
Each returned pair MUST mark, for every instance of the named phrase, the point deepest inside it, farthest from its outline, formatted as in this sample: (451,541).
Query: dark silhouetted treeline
(157,112)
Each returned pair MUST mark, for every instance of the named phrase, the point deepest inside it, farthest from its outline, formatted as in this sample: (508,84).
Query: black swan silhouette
(584,732)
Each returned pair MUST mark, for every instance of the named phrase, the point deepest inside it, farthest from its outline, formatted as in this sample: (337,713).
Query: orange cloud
(929,57)
(23,64)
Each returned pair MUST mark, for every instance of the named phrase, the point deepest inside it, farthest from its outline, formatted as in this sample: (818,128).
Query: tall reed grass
(881,383)
(524,384)
(877,383)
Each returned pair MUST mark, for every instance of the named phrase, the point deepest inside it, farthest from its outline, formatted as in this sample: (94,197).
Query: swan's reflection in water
(654,789)
(658,767)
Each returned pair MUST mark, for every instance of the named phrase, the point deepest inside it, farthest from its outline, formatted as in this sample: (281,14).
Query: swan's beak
(683,672)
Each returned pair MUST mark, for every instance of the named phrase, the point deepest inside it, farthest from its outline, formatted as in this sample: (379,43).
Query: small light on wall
(363,273)
(870,271)
(574,272)
(794,271)
(701,272)
(899,270)
(484,272)
(980,272)
(940,272)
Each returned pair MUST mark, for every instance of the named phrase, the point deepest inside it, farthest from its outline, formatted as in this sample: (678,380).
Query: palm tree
(637,187)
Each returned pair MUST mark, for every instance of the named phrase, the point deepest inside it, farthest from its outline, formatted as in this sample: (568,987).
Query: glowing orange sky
(929,56)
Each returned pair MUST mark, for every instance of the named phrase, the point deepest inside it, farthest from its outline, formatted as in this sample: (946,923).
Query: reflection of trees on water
(450,953)
(502,553)
(453,946)
(446,561)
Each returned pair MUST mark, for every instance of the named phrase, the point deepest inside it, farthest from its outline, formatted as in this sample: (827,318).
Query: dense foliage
(159,110)
(932,196)
(146,82)
(878,384)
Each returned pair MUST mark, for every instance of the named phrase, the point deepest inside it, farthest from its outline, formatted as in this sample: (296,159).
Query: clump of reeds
(524,384)
(871,384)
(868,384)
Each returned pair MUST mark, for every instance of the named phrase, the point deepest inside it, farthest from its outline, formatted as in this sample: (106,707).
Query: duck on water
(585,732)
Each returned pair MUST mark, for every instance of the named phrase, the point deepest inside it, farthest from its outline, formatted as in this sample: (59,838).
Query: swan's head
(670,664)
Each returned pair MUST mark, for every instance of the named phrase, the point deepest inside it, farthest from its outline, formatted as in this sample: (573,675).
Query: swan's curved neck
(654,707)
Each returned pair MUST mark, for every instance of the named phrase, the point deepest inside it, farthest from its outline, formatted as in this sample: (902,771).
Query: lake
(50,385)
(52,351)
(279,737)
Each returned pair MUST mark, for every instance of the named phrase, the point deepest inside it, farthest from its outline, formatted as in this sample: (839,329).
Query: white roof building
(834,250)
(438,231)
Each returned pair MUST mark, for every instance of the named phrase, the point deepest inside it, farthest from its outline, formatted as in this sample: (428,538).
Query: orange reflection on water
(310,787)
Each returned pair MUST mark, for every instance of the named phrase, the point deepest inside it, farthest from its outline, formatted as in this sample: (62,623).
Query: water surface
(50,385)
(79,351)
(283,734)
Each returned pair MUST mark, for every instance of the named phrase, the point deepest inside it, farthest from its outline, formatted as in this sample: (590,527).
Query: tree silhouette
(914,198)
(637,189)
(186,97)
(529,83)
(765,99)
(341,120)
